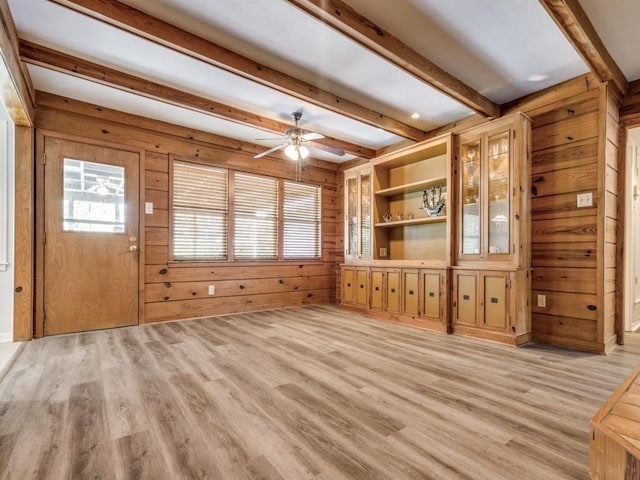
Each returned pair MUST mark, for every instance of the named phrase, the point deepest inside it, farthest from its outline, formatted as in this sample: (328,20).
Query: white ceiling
(495,47)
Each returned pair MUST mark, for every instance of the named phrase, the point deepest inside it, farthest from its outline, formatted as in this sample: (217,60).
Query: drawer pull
(377,289)
(466,297)
(410,292)
(494,299)
(393,290)
(432,294)
(348,284)
(592,307)
(361,286)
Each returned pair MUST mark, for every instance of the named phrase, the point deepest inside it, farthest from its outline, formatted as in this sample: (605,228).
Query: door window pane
(93,199)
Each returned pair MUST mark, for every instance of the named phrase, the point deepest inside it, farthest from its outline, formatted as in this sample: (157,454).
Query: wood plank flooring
(306,393)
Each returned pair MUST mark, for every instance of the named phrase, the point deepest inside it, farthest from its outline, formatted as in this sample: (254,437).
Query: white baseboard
(6,337)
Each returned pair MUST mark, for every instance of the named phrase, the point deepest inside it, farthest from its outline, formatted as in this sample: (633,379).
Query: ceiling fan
(294,142)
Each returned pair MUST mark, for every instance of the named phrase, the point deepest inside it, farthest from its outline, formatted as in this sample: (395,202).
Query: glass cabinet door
(498,193)
(365,215)
(352,216)
(470,198)
(358,213)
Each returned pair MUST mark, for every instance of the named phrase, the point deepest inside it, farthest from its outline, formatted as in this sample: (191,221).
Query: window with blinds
(301,220)
(200,212)
(255,210)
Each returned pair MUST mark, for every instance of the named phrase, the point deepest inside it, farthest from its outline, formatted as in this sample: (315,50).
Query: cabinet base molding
(515,340)
(433,325)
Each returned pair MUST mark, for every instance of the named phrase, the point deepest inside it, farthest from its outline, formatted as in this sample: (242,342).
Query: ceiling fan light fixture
(292,151)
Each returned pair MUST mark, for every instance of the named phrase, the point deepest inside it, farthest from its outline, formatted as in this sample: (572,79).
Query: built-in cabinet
(450,222)
(491,271)
(412,296)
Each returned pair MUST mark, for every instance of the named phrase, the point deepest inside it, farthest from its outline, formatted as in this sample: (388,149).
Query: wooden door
(410,289)
(393,291)
(376,289)
(495,300)
(465,295)
(361,295)
(91,198)
(348,282)
(431,295)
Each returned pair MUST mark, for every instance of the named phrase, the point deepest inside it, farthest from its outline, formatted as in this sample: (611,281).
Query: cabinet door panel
(393,291)
(347,285)
(495,304)
(361,287)
(410,293)
(466,301)
(376,289)
(431,295)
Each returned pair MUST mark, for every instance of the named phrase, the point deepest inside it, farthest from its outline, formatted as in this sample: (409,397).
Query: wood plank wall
(173,290)
(575,140)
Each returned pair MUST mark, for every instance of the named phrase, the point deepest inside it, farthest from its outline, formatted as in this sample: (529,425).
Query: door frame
(41,135)
(630,227)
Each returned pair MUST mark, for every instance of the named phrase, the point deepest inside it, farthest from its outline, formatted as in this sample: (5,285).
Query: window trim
(230,260)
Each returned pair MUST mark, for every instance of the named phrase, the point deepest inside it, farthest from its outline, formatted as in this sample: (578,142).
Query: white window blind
(301,220)
(200,212)
(255,210)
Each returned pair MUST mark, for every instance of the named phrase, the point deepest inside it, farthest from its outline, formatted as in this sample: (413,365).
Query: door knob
(133,248)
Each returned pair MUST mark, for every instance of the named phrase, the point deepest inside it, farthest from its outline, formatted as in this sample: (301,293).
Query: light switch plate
(148,208)
(542,301)
(585,200)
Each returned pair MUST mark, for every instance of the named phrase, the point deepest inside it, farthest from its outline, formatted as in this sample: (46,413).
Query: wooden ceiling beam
(576,26)
(61,62)
(347,21)
(16,90)
(158,31)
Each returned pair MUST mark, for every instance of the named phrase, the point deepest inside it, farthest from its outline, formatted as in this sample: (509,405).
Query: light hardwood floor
(312,392)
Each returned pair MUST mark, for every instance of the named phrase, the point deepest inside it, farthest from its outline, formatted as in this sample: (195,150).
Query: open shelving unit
(400,178)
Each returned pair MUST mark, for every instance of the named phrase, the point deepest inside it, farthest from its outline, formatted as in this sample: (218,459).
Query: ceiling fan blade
(272,138)
(271,150)
(328,149)
(312,136)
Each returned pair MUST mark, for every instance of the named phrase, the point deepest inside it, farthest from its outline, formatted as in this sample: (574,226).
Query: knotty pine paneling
(24,218)
(612,297)
(203,307)
(169,287)
(568,251)
(570,280)
(166,291)
(574,154)
(581,255)
(156,236)
(225,271)
(180,290)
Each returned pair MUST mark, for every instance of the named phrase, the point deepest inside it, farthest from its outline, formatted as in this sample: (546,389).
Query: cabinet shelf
(413,221)
(411,187)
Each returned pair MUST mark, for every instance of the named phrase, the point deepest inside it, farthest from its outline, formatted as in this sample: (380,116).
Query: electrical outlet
(212,289)
(383,252)
(585,200)
(148,208)
(542,301)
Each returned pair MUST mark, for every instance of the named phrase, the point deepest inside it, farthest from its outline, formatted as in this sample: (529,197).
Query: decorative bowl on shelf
(433,201)
(387,217)
(399,217)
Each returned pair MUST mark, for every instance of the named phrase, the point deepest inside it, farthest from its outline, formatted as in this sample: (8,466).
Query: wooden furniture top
(619,417)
